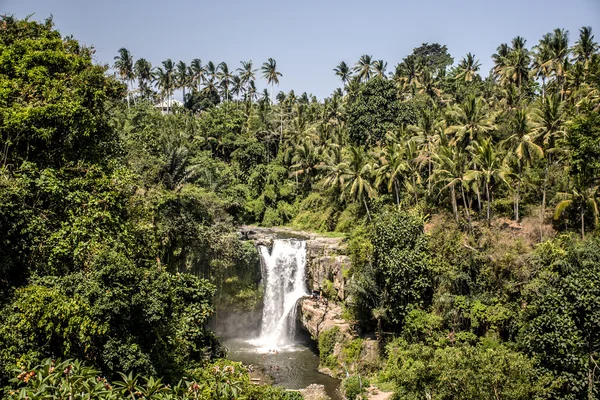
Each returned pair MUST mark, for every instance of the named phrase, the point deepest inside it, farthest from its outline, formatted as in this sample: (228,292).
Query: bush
(463,372)
(353,386)
(351,351)
(73,379)
(326,344)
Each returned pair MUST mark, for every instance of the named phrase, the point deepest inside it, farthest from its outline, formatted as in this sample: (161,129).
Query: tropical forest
(430,230)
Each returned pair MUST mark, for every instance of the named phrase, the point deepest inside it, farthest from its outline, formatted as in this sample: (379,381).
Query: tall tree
(143,71)
(270,73)
(490,168)
(164,78)
(225,78)
(468,68)
(357,177)
(344,72)
(181,77)
(450,168)
(585,46)
(469,121)
(526,151)
(542,55)
(198,72)
(379,68)
(124,66)
(364,68)
(548,127)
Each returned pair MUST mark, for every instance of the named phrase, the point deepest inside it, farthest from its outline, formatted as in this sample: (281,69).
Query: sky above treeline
(307,38)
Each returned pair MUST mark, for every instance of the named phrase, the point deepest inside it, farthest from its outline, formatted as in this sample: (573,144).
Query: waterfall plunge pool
(282,349)
(293,366)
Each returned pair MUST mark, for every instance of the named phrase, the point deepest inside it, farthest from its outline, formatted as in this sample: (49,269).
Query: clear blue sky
(308,38)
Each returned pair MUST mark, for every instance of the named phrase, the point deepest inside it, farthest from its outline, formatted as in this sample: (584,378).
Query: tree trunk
(544,186)
(429,167)
(582,221)
(591,370)
(396,190)
(454,205)
(489,200)
(367,208)
(414,185)
(462,190)
(543,86)
(517,197)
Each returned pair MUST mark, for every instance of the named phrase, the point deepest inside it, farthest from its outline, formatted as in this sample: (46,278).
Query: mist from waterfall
(284,271)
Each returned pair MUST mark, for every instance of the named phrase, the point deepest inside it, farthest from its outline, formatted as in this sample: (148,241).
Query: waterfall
(283,276)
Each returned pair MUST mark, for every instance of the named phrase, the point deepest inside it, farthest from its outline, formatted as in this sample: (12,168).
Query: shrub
(354,386)
(326,344)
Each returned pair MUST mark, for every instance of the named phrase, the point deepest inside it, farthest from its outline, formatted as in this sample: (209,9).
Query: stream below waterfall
(292,367)
(282,349)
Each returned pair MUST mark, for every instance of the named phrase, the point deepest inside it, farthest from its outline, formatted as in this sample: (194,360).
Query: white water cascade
(284,277)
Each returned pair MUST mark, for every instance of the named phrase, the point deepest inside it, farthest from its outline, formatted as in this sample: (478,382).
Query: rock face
(326,260)
(318,318)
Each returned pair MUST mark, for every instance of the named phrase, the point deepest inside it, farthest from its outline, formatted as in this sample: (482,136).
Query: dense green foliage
(100,233)
(459,194)
(72,379)
(398,275)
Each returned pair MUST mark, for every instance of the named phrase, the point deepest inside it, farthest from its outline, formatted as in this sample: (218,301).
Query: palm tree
(270,73)
(357,177)
(407,74)
(124,66)
(265,96)
(467,68)
(500,59)
(333,167)
(181,77)
(364,67)
(390,164)
(450,163)
(583,199)
(559,55)
(143,71)
(343,72)
(516,68)
(211,72)
(198,72)
(428,131)
(225,77)
(251,92)
(165,80)
(379,67)
(548,127)
(305,160)
(525,149)
(585,47)
(427,84)
(237,86)
(490,168)
(470,120)
(541,56)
